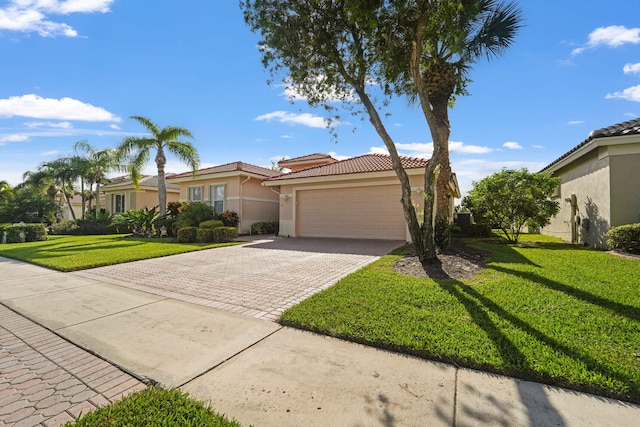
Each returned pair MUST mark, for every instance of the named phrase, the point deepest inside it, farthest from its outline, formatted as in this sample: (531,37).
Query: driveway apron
(260,279)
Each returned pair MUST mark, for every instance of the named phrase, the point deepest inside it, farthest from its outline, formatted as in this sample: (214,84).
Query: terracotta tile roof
(631,127)
(145,181)
(232,167)
(361,164)
(308,157)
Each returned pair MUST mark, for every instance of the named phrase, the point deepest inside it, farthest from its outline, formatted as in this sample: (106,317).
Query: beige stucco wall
(588,179)
(289,196)
(139,199)
(243,194)
(625,184)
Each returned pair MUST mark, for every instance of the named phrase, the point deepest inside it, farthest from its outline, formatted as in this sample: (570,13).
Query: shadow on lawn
(515,362)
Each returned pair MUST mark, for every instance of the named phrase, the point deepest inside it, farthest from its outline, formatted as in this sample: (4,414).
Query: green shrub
(211,223)
(20,233)
(442,233)
(624,238)
(264,227)
(205,235)
(229,218)
(193,213)
(477,230)
(63,227)
(187,235)
(224,234)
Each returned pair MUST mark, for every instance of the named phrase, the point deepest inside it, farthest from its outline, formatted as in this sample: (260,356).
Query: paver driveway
(260,279)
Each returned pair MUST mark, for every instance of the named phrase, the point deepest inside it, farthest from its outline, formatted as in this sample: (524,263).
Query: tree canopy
(511,199)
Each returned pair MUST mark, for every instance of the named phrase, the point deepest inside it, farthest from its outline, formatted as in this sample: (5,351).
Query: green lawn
(71,253)
(543,310)
(155,407)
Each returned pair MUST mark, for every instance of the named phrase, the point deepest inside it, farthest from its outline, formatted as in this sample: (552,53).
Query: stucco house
(599,185)
(120,195)
(233,186)
(354,198)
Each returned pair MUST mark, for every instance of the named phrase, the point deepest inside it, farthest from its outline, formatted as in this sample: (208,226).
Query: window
(118,203)
(217,198)
(195,194)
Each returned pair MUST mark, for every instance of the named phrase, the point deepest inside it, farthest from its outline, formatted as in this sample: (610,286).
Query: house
(304,162)
(599,185)
(76,205)
(233,186)
(354,198)
(120,195)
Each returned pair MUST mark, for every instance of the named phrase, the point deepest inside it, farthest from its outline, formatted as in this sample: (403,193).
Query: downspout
(242,204)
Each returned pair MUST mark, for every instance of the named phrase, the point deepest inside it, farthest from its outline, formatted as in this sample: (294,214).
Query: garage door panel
(362,212)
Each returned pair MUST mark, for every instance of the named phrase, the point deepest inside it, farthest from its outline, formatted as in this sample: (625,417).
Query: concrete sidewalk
(263,374)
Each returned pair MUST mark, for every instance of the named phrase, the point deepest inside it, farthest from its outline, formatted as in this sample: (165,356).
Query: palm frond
(151,127)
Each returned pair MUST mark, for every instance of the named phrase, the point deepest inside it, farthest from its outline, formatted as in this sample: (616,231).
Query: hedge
(204,235)
(187,235)
(20,233)
(264,227)
(624,238)
(224,234)
(211,224)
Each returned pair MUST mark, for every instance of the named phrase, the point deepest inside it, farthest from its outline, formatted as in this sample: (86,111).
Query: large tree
(511,199)
(5,192)
(139,151)
(337,49)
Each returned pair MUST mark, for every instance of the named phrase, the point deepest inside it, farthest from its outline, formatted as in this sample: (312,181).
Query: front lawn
(71,253)
(542,310)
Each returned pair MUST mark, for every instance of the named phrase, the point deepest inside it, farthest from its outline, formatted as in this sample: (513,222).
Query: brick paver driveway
(260,279)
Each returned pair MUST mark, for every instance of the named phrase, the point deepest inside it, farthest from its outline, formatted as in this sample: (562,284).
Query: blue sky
(76,70)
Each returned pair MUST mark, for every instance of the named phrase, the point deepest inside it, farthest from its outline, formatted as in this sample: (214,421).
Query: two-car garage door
(354,212)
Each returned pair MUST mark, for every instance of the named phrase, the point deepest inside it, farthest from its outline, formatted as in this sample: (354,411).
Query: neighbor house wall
(587,178)
(625,184)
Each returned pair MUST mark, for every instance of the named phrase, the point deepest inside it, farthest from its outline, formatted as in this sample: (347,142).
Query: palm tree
(139,150)
(454,36)
(100,163)
(5,192)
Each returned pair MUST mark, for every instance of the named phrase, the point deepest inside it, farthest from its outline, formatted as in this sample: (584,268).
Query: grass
(71,253)
(154,407)
(542,310)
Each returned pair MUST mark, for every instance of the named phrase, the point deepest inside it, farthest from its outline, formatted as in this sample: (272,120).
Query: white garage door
(361,213)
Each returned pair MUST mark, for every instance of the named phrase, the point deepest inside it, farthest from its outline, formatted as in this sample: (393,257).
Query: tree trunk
(97,198)
(82,195)
(422,236)
(161,161)
(441,157)
(66,196)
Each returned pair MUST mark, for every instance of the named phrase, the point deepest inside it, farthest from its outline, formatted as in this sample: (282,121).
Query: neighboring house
(76,205)
(120,195)
(304,162)
(354,198)
(234,186)
(599,185)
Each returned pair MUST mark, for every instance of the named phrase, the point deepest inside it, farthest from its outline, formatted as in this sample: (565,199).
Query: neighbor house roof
(306,158)
(231,167)
(361,164)
(631,127)
(145,181)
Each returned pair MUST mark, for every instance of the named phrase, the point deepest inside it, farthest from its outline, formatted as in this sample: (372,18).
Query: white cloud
(36,107)
(575,122)
(338,156)
(632,115)
(114,126)
(50,153)
(629,94)
(612,36)
(33,16)
(13,138)
(59,125)
(305,119)
(425,150)
(512,145)
(538,147)
(631,68)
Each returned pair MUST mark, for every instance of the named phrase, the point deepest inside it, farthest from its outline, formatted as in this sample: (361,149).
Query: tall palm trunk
(161,161)
(441,157)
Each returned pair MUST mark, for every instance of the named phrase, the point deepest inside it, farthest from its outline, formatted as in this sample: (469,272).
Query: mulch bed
(457,262)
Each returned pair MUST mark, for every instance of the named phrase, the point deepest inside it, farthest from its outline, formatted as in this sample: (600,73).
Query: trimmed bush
(187,235)
(205,235)
(64,227)
(229,218)
(264,227)
(211,224)
(477,230)
(224,234)
(624,238)
(21,233)
(193,213)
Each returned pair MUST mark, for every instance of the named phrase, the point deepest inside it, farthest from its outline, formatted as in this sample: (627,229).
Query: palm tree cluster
(43,192)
